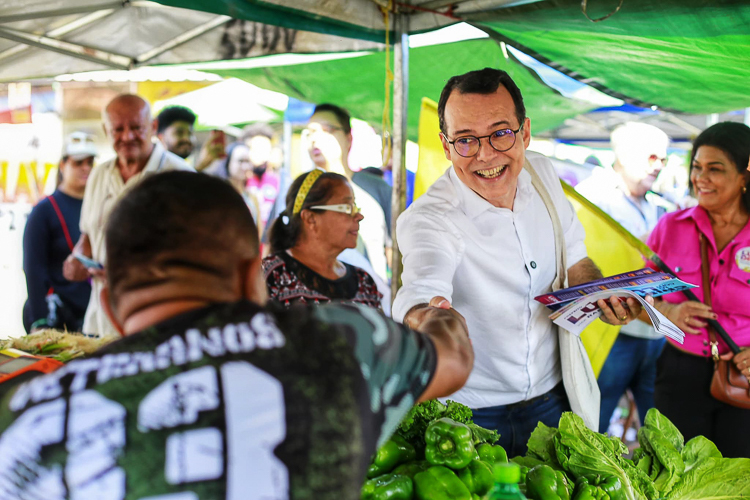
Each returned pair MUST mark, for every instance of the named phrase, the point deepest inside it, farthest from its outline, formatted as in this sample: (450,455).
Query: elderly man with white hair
(624,192)
(129,127)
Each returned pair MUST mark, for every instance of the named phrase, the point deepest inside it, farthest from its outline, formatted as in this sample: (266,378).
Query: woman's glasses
(344,208)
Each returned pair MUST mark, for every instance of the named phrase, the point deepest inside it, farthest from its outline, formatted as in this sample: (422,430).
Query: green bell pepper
(449,443)
(395,451)
(477,476)
(545,483)
(524,473)
(492,453)
(598,487)
(388,487)
(440,483)
(411,469)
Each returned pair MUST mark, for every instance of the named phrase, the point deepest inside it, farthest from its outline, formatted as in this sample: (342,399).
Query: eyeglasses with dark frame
(501,140)
(344,208)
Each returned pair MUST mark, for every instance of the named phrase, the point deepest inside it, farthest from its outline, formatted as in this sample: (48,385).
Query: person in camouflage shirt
(210,394)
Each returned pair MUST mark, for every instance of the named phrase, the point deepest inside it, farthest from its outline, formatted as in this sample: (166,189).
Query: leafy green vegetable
(582,452)
(541,444)
(656,421)
(661,449)
(724,479)
(698,452)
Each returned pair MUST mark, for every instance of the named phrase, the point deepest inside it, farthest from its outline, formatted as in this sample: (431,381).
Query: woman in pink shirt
(719,178)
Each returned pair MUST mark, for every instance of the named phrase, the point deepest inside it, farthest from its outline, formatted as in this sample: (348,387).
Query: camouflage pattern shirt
(232,401)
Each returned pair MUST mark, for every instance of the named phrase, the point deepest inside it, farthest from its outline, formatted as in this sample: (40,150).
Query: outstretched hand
(439,309)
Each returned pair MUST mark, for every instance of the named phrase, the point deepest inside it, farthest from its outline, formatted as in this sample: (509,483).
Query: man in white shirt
(624,192)
(130,129)
(482,239)
(329,140)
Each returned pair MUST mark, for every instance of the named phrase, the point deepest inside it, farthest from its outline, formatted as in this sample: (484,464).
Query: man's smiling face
(491,174)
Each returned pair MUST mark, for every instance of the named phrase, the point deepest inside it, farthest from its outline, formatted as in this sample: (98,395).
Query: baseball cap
(79,145)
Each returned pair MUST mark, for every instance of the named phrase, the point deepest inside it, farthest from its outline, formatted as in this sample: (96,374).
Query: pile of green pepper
(455,466)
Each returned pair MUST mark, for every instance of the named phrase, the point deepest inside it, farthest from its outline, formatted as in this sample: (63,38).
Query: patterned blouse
(289,281)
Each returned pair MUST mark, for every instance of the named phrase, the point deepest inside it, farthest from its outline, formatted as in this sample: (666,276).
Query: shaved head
(181,227)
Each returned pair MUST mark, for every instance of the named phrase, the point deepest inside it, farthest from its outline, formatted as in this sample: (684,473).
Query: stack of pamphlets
(575,307)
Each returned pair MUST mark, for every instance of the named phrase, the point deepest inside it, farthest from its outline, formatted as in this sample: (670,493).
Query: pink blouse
(676,240)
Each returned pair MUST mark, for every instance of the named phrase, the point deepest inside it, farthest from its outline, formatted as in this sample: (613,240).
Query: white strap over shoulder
(578,376)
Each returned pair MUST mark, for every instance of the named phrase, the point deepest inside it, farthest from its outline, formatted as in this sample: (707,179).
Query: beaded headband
(307,184)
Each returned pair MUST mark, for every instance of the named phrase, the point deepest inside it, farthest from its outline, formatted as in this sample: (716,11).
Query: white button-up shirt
(490,263)
(104,189)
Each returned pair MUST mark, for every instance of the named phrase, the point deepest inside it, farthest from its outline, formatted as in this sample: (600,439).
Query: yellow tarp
(432,161)
(607,242)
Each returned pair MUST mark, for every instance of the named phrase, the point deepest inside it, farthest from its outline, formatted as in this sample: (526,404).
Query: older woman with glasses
(319,222)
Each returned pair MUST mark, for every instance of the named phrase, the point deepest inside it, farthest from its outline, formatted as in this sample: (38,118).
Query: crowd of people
(256,361)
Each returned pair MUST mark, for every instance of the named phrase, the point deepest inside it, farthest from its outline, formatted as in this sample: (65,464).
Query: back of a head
(177,219)
(635,139)
(172,114)
(483,81)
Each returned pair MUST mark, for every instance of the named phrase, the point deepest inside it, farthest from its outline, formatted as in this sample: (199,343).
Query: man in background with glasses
(624,192)
(482,237)
(328,138)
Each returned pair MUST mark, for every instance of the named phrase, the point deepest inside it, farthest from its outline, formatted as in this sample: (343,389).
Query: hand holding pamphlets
(576,307)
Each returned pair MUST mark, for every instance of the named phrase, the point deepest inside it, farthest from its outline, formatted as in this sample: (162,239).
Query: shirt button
(705,352)
(533,265)
(677,269)
(721,262)
(705,342)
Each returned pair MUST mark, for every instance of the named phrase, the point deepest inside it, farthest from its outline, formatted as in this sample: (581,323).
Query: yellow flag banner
(432,162)
(615,251)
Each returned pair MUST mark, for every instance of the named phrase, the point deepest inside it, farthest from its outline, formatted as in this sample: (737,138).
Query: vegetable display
(663,468)
(438,453)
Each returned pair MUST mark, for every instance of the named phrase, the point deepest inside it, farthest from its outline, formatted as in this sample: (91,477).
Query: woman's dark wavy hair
(733,138)
(287,228)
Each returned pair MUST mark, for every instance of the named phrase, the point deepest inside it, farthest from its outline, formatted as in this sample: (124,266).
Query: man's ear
(446,146)
(350,141)
(253,285)
(107,305)
(526,132)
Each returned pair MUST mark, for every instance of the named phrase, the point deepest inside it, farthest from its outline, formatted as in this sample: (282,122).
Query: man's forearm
(583,271)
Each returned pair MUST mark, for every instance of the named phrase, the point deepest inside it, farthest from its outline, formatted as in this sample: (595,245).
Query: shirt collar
(474,205)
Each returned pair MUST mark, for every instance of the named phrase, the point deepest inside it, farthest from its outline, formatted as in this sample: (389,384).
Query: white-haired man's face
(641,156)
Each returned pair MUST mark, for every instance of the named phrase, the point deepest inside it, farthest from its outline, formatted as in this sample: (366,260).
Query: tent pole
(400,115)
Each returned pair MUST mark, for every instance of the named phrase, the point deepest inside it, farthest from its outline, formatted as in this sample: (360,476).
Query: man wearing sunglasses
(624,192)
(484,238)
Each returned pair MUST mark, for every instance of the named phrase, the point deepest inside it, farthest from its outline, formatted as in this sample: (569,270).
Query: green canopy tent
(357,82)
(686,55)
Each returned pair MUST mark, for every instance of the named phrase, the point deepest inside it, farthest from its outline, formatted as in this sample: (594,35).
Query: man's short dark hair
(177,219)
(256,129)
(172,114)
(483,81)
(342,115)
